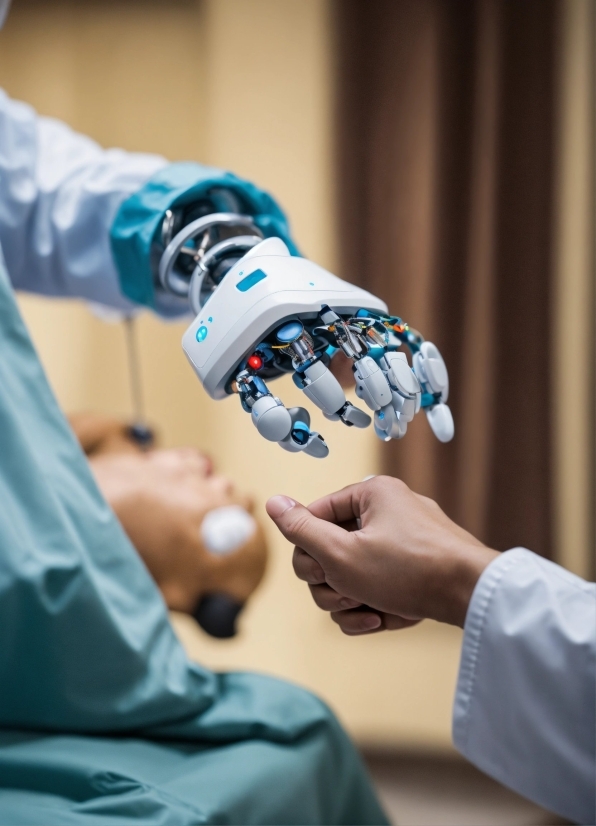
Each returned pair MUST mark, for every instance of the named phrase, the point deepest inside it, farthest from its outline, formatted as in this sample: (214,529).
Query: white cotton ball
(225,529)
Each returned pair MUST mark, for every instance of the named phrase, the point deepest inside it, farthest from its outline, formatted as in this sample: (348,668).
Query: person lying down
(196,534)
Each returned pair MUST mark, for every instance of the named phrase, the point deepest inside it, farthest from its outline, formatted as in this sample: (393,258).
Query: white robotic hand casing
(267,286)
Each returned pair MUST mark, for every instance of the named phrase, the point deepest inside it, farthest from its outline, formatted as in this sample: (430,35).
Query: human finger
(320,539)
(329,600)
(339,507)
(356,621)
(306,568)
(359,621)
(393,622)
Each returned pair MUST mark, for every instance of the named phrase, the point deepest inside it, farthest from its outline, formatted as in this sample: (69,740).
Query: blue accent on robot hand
(429,400)
(250,280)
(300,433)
(260,385)
(201,333)
(289,332)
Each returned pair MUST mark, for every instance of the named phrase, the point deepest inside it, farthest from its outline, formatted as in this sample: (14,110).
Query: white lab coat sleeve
(525,703)
(59,193)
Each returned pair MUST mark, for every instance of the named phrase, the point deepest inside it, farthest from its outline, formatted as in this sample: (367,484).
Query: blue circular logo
(202,333)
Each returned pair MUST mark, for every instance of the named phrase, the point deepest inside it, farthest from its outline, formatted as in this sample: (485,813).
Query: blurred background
(439,152)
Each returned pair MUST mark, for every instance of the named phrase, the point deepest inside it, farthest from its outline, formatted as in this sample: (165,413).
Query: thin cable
(139,430)
(136,391)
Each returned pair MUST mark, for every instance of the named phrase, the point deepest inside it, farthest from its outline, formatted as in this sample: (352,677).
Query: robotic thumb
(441,422)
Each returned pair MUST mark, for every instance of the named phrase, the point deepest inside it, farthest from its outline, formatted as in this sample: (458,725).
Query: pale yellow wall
(244,84)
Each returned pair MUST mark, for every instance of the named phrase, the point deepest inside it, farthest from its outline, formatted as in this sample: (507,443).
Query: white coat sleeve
(525,703)
(59,193)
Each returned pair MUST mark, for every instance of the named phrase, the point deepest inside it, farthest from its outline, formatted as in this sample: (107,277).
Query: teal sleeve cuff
(139,218)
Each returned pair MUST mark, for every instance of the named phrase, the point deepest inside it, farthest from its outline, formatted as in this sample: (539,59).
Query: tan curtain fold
(446,120)
(573,350)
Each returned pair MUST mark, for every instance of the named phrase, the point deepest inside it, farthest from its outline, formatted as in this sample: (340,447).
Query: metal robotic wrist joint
(262,313)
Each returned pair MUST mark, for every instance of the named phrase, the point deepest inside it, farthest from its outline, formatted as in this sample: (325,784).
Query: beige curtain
(447,141)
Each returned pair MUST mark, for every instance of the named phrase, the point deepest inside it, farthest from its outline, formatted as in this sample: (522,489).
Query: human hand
(407,561)
(161,498)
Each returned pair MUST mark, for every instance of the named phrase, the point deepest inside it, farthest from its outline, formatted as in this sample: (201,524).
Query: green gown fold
(103,719)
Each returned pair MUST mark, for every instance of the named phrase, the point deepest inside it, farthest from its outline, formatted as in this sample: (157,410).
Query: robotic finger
(289,428)
(440,420)
(268,413)
(271,418)
(431,370)
(392,420)
(301,438)
(322,388)
(388,424)
(353,416)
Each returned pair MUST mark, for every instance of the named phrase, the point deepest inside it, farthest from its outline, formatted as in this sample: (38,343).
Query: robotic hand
(261,312)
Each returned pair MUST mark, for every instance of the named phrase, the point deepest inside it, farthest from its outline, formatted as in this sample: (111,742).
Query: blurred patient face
(161,498)
(191,527)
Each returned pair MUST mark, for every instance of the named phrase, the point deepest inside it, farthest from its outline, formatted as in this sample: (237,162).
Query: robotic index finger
(271,313)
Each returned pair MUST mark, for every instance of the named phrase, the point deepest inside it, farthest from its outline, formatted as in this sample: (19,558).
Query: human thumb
(278,505)
(320,539)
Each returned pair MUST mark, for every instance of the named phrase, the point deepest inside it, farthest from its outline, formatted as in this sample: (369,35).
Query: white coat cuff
(476,617)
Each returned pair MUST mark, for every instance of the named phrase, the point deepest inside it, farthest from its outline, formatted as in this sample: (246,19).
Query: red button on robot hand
(255,362)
